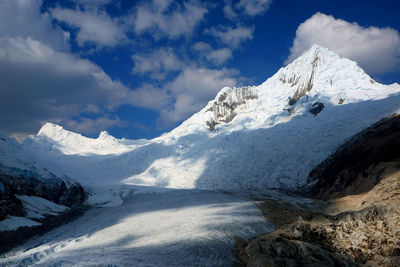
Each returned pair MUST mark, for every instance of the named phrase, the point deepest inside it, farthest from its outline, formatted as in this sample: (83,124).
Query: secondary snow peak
(51,130)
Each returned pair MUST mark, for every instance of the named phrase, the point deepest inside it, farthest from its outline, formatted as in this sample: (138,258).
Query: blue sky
(139,68)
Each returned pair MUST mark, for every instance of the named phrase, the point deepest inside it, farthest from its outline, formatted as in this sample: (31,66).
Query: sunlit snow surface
(263,146)
(151,228)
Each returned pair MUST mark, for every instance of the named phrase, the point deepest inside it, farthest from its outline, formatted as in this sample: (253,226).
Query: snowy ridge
(16,160)
(270,135)
(56,137)
(320,74)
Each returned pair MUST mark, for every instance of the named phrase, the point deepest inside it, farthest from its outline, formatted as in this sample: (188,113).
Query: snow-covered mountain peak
(320,70)
(246,137)
(105,135)
(318,51)
(52,131)
(311,83)
(53,137)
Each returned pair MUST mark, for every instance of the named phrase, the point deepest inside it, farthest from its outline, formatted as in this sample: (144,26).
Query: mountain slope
(31,191)
(357,225)
(246,138)
(359,164)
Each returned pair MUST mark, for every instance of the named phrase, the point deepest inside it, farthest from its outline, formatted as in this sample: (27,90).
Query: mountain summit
(319,77)
(271,135)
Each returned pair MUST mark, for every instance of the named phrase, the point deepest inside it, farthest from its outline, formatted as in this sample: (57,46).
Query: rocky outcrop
(316,108)
(302,88)
(351,238)
(63,192)
(359,164)
(224,107)
(357,222)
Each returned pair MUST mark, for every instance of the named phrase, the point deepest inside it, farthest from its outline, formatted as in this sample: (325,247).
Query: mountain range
(246,141)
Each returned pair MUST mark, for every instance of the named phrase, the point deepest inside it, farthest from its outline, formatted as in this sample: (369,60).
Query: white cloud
(93,2)
(201,47)
(216,56)
(219,56)
(40,84)
(232,37)
(95,26)
(158,63)
(192,90)
(148,96)
(229,11)
(23,18)
(375,49)
(43,81)
(92,125)
(188,93)
(253,7)
(167,18)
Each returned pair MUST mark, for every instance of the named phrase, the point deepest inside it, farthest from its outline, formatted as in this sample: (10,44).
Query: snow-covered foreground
(161,228)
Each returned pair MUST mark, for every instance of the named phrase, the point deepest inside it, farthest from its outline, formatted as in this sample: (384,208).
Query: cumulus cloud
(94,26)
(41,80)
(192,89)
(229,11)
(157,63)
(92,125)
(247,7)
(149,96)
(93,2)
(167,18)
(188,93)
(253,7)
(219,56)
(201,47)
(231,36)
(216,56)
(23,18)
(375,49)
(40,84)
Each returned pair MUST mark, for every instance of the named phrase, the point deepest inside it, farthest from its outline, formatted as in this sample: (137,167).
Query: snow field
(170,228)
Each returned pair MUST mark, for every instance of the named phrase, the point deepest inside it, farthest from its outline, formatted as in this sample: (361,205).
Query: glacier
(247,138)
(184,197)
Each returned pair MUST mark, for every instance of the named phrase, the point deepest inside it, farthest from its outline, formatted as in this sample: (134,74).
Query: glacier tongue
(270,135)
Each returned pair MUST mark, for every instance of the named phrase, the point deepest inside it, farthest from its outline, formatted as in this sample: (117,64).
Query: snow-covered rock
(36,181)
(271,135)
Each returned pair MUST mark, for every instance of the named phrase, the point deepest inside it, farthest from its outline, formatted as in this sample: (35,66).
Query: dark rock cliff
(357,222)
(59,191)
(359,164)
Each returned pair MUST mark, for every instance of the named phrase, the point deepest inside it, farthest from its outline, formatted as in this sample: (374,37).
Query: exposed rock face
(224,108)
(302,88)
(24,173)
(316,108)
(358,223)
(359,164)
(59,192)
